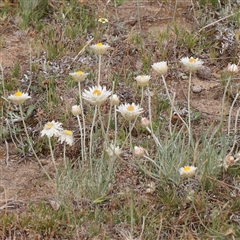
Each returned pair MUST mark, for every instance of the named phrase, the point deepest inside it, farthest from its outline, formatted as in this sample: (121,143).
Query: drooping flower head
(66,136)
(114,99)
(187,171)
(78,76)
(130,111)
(76,110)
(96,95)
(113,151)
(191,64)
(100,48)
(18,97)
(52,129)
(138,152)
(160,67)
(145,122)
(232,68)
(142,80)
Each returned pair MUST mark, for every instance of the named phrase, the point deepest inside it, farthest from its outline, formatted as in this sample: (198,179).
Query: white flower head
(100,48)
(114,99)
(160,67)
(18,97)
(142,80)
(96,95)
(76,110)
(187,171)
(138,152)
(130,111)
(191,64)
(66,136)
(232,68)
(113,152)
(52,129)
(79,76)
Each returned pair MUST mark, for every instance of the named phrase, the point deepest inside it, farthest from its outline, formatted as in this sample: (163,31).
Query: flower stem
(91,135)
(83,119)
(81,135)
(130,136)
(64,155)
(230,113)
(51,150)
(99,68)
(115,120)
(189,108)
(30,144)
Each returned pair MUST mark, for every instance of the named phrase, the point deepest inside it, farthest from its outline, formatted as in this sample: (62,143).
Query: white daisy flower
(96,95)
(232,68)
(114,99)
(187,171)
(66,136)
(160,67)
(52,129)
(79,76)
(76,110)
(100,48)
(130,111)
(142,80)
(191,64)
(18,97)
(138,152)
(113,151)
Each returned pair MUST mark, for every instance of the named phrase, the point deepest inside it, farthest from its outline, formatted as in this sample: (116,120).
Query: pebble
(196,88)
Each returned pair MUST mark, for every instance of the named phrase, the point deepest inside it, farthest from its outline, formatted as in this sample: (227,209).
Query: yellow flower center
(79,72)
(18,94)
(99,44)
(192,60)
(97,92)
(49,125)
(67,132)
(187,168)
(130,108)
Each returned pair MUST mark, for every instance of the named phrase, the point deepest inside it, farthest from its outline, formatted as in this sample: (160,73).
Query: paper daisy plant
(67,137)
(18,97)
(78,76)
(191,64)
(52,129)
(142,80)
(100,48)
(130,111)
(96,95)
(160,67)
(187,171)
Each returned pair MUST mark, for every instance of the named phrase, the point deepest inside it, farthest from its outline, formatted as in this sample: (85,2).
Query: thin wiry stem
(91,136)
(83,119)
(64,155)
(115,124)
(52,155)
(189,108)
(99,68)
(230,113)
(81,136)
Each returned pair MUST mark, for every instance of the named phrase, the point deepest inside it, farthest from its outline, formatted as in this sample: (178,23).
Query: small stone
(196,88)
(204,73)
